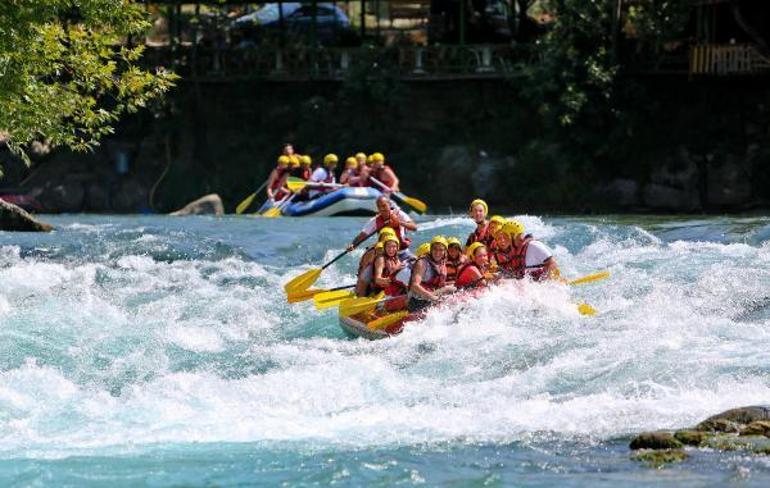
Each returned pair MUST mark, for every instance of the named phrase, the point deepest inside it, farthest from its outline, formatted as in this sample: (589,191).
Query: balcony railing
(727,60)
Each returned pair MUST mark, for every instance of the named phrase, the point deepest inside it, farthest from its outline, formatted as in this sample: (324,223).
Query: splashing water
(130,341)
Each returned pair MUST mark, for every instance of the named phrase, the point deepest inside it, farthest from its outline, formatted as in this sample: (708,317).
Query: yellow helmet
(454,241)
(481,202)
(386,231)
(283,161)
(498,220)
(423,249)
(439,240)
(390,238)
(369,159)
(513,227)
(351,163)
(471,250)
(378,157)
(331,158)
(360,155)
(379,246)
(306,160)
(294,161)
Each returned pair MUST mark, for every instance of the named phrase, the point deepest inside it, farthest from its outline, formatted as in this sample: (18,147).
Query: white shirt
(537,253)
(320,174)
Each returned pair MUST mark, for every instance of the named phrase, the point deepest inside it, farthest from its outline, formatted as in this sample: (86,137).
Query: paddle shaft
(386,187)
(348,250)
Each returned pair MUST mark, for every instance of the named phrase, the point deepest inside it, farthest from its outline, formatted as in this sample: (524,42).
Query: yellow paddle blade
(387,320)
(586,309)
(272,212)
(592,277)
(416,204)
(302,282)
(301,296)
(245,204)
(359,305)
(295,185)
(332,298)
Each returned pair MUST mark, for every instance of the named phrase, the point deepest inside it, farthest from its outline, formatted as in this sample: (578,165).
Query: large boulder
(17,219)
(66,196)
(206,205)
(739,416)
(619,192)
(729,184)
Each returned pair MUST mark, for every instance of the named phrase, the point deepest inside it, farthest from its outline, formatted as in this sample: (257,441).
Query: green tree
(67,73)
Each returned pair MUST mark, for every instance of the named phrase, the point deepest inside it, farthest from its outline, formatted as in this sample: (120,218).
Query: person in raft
(305,169)
(387,267)
(428,281)
(455,259)
(324,174)
(350,173)
(388,216)
(382,176)
(529,257)
(478,211)
(276,182)
(474,273)
(365,274)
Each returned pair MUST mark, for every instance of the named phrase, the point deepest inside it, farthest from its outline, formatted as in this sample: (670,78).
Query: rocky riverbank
(745,429)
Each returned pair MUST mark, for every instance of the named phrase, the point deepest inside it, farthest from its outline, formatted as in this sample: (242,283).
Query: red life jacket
(518,266)
(305,173)
(329,176)
(382,176)
(452,267)
(391,267)
(504,259)
(278,184)
(466,278)
(379,223)
(483,236)
(437,272)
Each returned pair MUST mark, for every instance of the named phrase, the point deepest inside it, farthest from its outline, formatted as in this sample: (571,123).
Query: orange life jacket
(518,266)
(467,278)
(379,223)
(452,267)
(480,235)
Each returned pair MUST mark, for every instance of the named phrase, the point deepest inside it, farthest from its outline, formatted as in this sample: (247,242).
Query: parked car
(332,25)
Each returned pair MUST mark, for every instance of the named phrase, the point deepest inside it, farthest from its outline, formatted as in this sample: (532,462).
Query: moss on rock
(690,437)
(659,458)
(655,440)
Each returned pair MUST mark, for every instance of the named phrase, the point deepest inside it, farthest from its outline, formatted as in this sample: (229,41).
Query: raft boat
(355,327)
(348,201)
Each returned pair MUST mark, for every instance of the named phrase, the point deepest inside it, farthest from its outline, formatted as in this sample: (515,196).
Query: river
(149,350)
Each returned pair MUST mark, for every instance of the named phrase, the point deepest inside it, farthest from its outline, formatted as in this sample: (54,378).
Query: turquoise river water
(158,351)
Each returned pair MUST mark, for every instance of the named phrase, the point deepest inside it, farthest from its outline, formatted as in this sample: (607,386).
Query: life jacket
(466,278)
(452,267)
(434,276)
(381,175)
(483,236)
(380,223)
(504,259)
(278,184)
(518,266)
(390,269)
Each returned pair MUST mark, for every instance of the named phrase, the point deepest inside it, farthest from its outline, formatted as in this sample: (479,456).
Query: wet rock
(659,458)
(655,440)
(690,437)
(718,425)
(757,428)
(206,205)
(130,196)
(729,184)
(619,192)
(743,415)
(14,218)
(96,197)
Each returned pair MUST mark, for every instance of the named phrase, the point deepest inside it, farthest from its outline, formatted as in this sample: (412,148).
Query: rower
(387,266)
(478,211)
(324,173)
(428,281)
(502,255)
(395,218)
(294,165)
(287,149)
(474,273)
(363,169)
(530,257)
(383,173)
(276,182)
(350,172)
(366,264)
(455,258)
(305,171)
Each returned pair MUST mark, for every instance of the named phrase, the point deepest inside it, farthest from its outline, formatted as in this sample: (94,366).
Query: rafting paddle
(246,203)
(416,204)
(304,295)
(590,278)
(355,306)
(298,184)
(387,320)
(332,298)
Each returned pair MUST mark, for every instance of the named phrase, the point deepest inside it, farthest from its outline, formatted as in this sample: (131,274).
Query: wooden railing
(303,63)
(727,60)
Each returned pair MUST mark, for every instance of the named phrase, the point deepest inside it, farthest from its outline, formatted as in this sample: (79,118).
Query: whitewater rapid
(119,333)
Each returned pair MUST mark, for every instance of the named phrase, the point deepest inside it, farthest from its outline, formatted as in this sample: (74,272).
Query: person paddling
(276,182)
(305,162)
(324,174)
(530,257)
(365,274)
(455,258)
(383,173)
(428,281)
(478,211)
(473,274)
(394,218)
(350,172)
(387,267)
